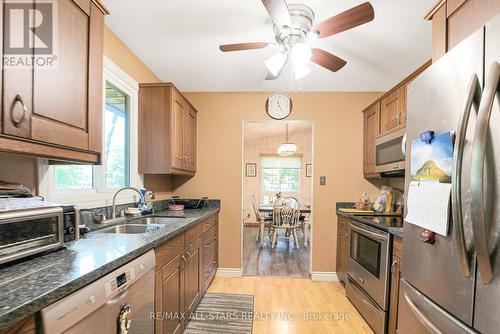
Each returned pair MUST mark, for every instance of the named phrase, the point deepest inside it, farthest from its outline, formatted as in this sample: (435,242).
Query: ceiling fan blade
(327,60)
(346,20)
(271,76)
(278,10)
(243,46)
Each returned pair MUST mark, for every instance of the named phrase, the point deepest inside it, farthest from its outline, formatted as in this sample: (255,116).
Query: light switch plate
(322,180)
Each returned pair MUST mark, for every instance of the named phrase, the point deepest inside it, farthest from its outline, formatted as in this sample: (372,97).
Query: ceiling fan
(293,28)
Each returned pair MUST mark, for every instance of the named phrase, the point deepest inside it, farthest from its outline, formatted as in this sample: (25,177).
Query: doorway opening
(274,174)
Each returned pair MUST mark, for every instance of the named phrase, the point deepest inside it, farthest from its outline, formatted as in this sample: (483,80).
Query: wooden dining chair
(286,214)
(262,220)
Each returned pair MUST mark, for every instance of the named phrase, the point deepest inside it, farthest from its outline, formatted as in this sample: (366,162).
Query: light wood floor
(275,295)
(283,260)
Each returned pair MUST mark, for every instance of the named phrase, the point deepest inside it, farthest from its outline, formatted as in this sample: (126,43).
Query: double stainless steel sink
(142,225)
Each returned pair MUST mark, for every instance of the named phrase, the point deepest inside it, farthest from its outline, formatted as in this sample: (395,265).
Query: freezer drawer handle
(473,98)
(360,294)
(477,173)
(421,317)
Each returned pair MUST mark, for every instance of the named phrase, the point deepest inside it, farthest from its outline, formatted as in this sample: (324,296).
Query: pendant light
(287,149)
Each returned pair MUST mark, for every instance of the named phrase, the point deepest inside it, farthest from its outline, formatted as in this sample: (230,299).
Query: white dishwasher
(121,302)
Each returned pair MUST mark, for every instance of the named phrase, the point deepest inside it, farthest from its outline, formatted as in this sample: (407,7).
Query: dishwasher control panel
(122,280)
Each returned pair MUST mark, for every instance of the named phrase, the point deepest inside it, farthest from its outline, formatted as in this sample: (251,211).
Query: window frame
(99,195)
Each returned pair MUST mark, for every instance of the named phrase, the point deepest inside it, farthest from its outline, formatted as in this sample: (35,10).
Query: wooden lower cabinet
(192,277)
(342,247)
(169,301)
(181,279)
(27,325)
(397,255)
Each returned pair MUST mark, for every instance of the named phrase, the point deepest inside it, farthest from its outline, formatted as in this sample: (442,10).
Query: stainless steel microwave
(390,152)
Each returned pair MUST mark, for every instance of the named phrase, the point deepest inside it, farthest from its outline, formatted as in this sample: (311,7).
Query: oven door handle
(368,232)
(421,317)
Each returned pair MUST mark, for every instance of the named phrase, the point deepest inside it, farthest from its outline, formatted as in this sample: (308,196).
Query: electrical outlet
(322,180)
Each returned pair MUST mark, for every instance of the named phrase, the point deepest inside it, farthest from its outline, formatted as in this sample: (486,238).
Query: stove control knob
(91,300)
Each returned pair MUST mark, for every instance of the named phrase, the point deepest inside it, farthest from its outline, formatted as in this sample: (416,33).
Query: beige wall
(122,56)
(252,153)
(338,137)
(19,169)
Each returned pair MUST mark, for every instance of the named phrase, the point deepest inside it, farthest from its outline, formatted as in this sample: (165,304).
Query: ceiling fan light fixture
(300,70)
(301,53)
(275,63)
(312,36)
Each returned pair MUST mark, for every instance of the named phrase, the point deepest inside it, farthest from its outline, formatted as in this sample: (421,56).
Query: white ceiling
(179,42)
(253,130)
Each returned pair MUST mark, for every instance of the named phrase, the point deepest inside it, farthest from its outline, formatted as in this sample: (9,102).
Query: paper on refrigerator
(428,205)
(430,187)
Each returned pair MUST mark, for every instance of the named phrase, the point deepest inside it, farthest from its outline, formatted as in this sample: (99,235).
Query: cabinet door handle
(19,99)
(393,266)
(183,262)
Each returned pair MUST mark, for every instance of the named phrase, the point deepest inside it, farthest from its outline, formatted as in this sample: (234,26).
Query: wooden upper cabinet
(454,20)
(167,131)
(189,140)
(371,117)
(393,109)
(179,107)
(60,107)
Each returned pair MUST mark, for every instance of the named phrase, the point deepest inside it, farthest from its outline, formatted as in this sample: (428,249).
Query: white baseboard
(324,276)
(229,272)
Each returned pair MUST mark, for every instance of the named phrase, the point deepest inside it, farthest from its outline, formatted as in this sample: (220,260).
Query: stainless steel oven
(390,151)
(29,226)
(368,267)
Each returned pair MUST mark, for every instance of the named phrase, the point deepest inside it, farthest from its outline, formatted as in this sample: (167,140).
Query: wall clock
(279,106)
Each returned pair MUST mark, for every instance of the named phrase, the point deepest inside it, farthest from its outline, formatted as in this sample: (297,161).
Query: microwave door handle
(421,317)
(477,173)
(473,97)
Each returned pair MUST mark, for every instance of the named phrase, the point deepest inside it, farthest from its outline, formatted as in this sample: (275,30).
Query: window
(88,185)
(285,180)
(116,128)
(280,174)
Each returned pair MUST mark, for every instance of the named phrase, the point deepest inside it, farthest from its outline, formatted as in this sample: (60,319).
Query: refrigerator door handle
(473,97)
(477,173)
(421,317)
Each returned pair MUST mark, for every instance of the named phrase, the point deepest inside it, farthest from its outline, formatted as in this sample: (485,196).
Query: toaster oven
(29,226)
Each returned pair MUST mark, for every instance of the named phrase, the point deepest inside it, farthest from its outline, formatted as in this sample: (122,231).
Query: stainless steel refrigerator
(453,285)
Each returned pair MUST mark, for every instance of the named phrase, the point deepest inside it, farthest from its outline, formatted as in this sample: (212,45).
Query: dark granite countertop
(29,286)
(388,226)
